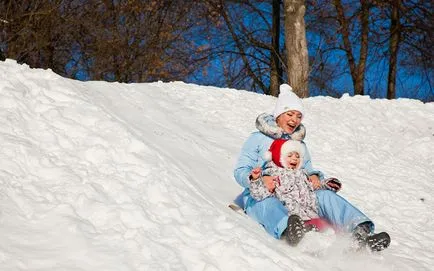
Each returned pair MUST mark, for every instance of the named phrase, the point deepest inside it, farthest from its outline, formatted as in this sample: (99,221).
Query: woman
(285,123)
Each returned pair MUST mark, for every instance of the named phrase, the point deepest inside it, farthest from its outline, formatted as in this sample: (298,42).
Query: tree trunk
(361,69)
(395,35)
(296,46)
(357,70)
(276,71)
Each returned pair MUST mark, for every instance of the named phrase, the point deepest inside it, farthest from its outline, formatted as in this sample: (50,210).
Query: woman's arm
(308,165)
(248,159)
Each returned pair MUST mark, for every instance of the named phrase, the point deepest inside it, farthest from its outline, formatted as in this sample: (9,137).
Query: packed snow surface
(109,176)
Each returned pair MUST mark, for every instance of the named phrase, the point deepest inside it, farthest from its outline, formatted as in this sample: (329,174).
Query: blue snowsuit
(270,212)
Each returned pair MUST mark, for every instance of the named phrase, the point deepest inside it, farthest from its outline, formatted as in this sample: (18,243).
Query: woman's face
(289,121)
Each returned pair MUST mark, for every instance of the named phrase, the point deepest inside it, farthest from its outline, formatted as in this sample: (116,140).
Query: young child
(292,186)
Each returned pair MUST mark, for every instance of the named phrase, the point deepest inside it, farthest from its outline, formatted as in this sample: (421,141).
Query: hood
(267,125)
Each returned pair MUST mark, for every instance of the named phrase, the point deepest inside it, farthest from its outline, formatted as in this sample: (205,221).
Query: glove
(332,184)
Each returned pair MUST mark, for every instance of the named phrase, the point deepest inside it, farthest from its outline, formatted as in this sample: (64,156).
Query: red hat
(280,149)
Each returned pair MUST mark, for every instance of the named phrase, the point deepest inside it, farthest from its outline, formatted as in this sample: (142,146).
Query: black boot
(375,242)
(378,241)
(295,230)
(360,234)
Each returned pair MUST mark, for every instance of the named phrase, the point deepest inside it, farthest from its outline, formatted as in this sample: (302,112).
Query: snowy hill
(109,176)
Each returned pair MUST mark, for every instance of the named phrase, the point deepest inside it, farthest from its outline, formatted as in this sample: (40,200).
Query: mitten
(332,184)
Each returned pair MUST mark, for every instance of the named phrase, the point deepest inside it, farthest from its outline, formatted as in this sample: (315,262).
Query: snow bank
(108,176)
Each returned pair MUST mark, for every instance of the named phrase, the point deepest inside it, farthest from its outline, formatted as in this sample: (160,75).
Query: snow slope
(109,176)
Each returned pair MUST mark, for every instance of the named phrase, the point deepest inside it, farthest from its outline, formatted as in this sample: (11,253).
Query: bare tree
(395,36)
(275,67)
(357,69)
(132,41)
(296,46)
(407,45)
(417,45)
(248,46)
(240,46)
(32,32)
(409,57)
(233,43)
(326,63)
(125,41)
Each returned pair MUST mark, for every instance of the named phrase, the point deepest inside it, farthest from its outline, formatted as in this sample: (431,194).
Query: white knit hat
(287,101)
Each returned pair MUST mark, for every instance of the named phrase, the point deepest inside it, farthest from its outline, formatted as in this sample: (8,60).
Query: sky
(109,176)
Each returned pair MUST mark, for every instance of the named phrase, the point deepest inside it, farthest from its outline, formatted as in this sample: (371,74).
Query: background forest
(322,47)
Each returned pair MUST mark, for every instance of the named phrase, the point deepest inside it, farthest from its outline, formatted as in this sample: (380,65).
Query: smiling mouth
(291,126)
(292,165)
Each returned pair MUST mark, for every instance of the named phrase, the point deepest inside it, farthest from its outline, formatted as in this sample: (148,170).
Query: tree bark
(275,71)
(296,46)
(364,21)
(395,35)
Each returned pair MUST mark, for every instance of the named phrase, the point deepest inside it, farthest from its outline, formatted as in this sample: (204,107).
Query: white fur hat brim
(292,146)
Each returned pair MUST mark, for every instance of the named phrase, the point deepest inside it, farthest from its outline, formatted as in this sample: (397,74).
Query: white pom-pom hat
(287,101)
(279,150)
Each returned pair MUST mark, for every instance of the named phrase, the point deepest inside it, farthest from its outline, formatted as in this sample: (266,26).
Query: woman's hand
(333,184)
(316,183)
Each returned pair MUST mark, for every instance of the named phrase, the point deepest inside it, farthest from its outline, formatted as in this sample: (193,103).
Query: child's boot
(295,230)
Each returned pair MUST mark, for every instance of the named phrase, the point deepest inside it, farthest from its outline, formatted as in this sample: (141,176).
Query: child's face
(292,160)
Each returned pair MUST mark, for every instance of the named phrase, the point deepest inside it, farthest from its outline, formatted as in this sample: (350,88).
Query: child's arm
(257,188)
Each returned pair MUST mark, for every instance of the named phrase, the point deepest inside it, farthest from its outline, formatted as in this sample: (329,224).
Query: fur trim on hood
(267,125)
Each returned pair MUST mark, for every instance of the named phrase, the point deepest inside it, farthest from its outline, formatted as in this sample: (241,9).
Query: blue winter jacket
(252,155)
(253,150)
